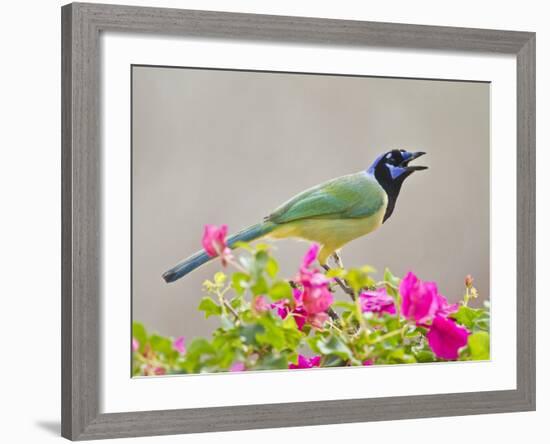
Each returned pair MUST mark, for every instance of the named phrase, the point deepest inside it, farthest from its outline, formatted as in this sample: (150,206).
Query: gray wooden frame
(81,167)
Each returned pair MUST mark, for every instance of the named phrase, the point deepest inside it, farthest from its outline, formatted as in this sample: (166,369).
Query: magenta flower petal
(310,256)
(305,362)
(317,299)
(377,301)
(315,361)
(282,308)
(179,345)
(446,338)
(237,367)
(135,345)
(213,240)
(419,299)
(300,317)
(444,308)
(297,294)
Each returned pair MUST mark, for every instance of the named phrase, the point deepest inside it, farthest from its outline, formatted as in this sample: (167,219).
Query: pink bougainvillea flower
(317,299)
(316,296)
(419,299)
(446,338)
(368,362)
(282,307)
(300,315)
(237,366)
(305,362)
(310,256)
(377,301)
(315,361)
(213,239)
(285,307)
(260,304)
(135,345)
(444,308)
(214,242)
(149,370)
(179,345)
(317,320)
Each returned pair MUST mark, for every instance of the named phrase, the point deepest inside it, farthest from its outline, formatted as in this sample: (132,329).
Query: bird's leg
(337,259)
(347,289)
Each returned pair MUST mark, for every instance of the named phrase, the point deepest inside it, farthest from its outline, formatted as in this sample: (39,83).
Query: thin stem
(333,315)
(236,264)
(359,313)
(225,305)
(391,334)
(231,309)
(466,297)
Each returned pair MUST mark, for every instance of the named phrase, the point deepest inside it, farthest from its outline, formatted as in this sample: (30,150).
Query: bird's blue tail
(201,257)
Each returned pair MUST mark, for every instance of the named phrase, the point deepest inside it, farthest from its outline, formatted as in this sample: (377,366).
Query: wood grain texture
(81,222)
(526,221)
(81,235)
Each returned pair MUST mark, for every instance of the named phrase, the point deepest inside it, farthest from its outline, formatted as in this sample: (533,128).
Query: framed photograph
(276,221)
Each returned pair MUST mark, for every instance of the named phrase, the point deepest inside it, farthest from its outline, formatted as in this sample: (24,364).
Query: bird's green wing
(352,196)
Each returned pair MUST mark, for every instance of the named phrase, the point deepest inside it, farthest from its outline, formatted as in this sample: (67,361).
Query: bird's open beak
(413,156)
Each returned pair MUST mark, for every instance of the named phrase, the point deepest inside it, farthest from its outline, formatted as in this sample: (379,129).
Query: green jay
(332,213)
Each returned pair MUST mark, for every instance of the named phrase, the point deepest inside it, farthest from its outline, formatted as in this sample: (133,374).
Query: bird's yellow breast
(332,234)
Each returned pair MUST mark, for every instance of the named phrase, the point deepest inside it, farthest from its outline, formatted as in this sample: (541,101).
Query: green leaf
(280,290)
(220,278)
(259,287)
(163,345)
(391,278)
(262,246)
(240,281)
(272,267)
(199,346)
(479,344)
(226,323)
(140,334)
(260,262)
(273,362)
(345,305)
(334,346)
(400,356)
(248,333)
(273,335)
(209,307)
(290,323)
(336,272)
(467,316)
(312,341)
(333,361)
(243,245)
(392,283)
(368,269)
(357,279)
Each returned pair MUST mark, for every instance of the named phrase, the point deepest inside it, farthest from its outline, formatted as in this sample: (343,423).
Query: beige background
(228,147)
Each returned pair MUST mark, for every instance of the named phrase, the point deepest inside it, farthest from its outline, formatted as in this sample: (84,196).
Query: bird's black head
(390,170)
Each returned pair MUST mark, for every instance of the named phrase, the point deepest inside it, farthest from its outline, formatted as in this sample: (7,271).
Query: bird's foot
(341,283)
(337,259)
